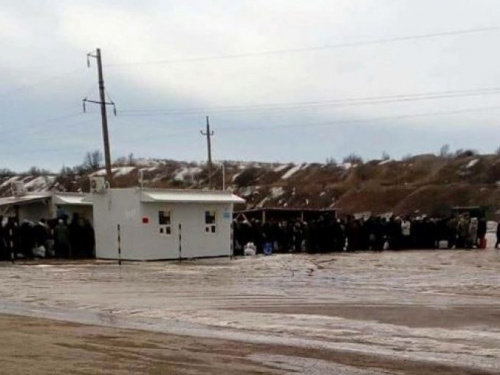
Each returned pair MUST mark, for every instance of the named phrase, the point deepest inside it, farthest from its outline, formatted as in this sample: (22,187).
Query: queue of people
(54,238)
(328,233)
(63,238)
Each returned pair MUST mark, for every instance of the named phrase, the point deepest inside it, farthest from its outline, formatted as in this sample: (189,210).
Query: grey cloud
(56,35)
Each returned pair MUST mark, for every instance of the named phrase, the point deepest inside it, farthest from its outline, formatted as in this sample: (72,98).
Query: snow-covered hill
(426,183)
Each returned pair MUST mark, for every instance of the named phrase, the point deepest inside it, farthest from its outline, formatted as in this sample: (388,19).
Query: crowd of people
(54,238)
(327,233)
(63,238)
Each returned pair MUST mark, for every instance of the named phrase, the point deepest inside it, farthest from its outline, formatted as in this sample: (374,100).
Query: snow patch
(122,171)
(384,162)
(281,168)
(182,173)
(472,163)
(246,192)
(40,183)
(291,172)
(143,162)
(348,166)
(117,171)
(9,181)
(235,177)
(150,169)
(100,172)
(262,202)
(277,192)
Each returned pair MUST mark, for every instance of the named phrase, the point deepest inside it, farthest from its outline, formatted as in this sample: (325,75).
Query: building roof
(189,196)
(288,209)
(24,199)
(57,198)
(71,199)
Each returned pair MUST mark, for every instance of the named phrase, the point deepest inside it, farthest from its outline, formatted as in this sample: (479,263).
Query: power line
(313,48)
(272,127)
(321,124)
(376,119)
(53,150)
(32,131)
(54,119)
(376,100)
(46,81)
(49,133)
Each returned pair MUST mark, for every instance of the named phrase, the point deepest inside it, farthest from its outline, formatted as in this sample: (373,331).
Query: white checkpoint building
(159,224)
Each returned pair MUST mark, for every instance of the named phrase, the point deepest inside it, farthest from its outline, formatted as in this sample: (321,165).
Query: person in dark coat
(481,231)
(370,227)
(353,235)
(256,234)
(88,239)
(61,240)
(297,237)
(452,231)
(4,250)
(267,236)
(323,234)
(394,233)
(76,237)
(312,234)
(498,236)
(26,239)
(237,243)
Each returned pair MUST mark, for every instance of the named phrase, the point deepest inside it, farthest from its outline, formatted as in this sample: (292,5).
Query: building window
(165,222)
(210,222)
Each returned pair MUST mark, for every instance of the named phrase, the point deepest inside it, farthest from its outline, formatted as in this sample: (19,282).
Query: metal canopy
(25,199)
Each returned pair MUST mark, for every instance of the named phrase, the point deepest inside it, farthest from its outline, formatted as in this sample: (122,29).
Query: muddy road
(390,313)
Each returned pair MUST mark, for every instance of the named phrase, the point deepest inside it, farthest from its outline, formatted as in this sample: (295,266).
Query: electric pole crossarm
(96,102)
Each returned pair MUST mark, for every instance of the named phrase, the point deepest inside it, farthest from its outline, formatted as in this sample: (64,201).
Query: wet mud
(391,313)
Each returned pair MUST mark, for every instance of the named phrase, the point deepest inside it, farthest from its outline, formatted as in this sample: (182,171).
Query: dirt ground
(416,312)
(40,346)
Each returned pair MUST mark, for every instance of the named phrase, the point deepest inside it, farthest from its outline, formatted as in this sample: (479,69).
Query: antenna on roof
(18,189)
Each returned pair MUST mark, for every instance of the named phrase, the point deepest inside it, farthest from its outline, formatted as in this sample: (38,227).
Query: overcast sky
(271,74)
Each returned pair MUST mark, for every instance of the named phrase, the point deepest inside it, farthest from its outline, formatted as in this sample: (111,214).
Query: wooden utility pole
(209,134)
(104,116)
